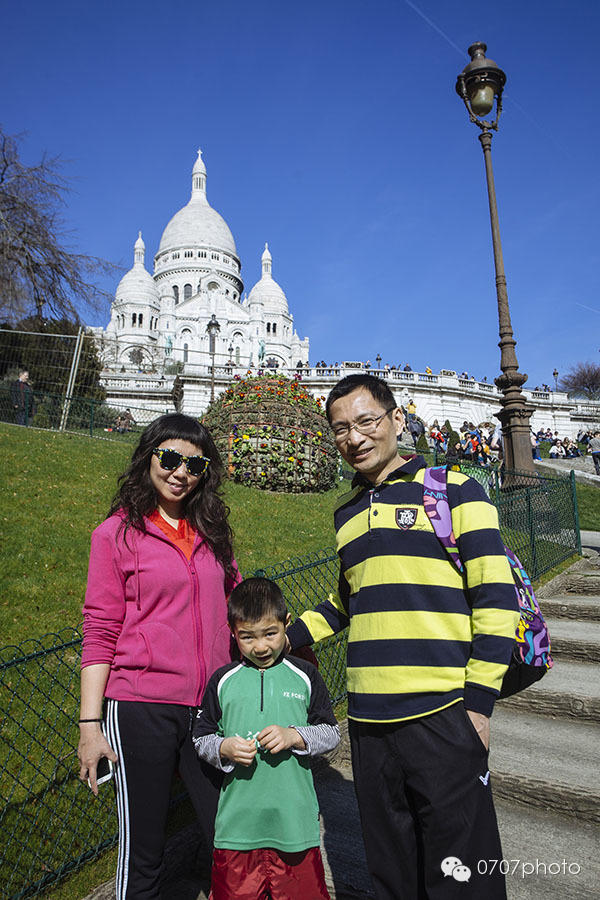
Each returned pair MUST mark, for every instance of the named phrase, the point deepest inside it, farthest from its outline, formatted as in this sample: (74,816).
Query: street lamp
(230,351)
(378,360)
(555,374)
(478,83)
(213,328)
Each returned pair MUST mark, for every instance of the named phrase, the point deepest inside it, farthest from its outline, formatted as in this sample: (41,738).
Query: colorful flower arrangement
(272,433)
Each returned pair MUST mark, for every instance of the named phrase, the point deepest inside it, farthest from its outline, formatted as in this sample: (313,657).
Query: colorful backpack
(531,657)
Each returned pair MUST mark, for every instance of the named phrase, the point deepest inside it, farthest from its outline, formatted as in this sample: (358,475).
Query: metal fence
(50,822)
(80,415)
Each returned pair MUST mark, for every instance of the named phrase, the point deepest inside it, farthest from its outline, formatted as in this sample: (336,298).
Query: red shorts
(263,873)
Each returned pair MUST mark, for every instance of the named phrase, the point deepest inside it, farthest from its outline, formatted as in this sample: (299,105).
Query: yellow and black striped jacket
(422,636)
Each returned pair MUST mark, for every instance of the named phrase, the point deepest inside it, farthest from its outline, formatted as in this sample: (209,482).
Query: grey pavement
(583,467)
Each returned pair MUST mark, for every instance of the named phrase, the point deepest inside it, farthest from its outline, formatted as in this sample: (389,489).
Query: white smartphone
(104,771)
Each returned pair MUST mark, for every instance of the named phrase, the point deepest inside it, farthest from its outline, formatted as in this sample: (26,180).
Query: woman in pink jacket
(155,628)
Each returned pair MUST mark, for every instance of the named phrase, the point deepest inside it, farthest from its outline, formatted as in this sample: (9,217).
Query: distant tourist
(594,449)
(21,395)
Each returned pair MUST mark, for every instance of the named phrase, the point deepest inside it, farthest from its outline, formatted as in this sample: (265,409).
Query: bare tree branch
(584,378)
(39,274)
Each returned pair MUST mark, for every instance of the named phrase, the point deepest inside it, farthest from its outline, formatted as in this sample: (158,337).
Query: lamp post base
(516,433)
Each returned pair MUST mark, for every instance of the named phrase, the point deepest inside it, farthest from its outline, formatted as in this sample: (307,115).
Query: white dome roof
(138,284)
(198,224)
(267,290)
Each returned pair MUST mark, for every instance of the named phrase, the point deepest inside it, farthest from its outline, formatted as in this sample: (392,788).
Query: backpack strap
(437,508)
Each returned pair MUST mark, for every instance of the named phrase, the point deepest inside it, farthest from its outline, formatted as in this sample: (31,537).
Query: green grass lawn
(57,487)
(588,502)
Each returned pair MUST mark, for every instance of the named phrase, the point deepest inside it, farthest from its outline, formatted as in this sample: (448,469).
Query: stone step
(583,582)
(571,606)
(547,841)
(546,762)
(572,639)
(569,689)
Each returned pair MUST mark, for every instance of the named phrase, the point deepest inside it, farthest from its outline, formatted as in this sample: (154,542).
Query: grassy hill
(55,489)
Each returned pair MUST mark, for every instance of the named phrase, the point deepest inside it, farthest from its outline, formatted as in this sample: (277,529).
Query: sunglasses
(172,459)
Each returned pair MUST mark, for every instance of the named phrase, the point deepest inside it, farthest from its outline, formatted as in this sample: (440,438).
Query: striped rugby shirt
(422,636)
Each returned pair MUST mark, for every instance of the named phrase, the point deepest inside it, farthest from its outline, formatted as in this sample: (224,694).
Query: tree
(39,274)
(584,378)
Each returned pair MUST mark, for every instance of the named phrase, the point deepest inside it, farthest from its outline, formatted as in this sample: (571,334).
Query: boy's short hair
(253,599)
(377,388)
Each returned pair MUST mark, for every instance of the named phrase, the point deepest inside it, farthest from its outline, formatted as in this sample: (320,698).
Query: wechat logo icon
(453,866)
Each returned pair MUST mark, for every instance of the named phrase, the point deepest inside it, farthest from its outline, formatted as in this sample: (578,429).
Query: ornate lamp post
(230,351)
(213,328)
(478,83)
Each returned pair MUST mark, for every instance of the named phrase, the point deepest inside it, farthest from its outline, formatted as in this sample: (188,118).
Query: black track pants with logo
(152,741)
(426,808)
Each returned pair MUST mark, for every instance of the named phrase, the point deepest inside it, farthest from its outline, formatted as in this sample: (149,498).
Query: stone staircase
(545,749)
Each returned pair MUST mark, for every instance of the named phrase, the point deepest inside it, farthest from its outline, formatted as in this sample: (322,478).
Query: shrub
(422,444)
(274,435)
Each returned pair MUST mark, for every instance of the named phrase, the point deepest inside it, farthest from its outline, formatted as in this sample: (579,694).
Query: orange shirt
(183,536)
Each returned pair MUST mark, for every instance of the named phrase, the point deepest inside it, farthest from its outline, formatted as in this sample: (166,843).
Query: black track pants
(424,795)
(152,741)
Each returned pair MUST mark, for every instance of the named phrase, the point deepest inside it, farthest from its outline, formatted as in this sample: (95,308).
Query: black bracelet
(89,720)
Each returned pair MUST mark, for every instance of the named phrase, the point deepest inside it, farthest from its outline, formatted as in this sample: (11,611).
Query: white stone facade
(159,322)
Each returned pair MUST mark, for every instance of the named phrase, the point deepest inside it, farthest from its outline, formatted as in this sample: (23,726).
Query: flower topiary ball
(274,435)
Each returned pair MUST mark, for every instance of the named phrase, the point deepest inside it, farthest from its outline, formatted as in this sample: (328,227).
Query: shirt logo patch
(406,518)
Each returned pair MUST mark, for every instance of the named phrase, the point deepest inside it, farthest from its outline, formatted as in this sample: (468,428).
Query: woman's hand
(92,746)
(238,750)
(274,739)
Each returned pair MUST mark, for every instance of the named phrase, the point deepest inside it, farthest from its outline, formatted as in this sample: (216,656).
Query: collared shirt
(422,636)
(183,536)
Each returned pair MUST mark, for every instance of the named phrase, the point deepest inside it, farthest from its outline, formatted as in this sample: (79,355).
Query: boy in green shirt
(260,721)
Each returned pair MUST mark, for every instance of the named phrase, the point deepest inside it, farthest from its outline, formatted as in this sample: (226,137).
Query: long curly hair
(203,508)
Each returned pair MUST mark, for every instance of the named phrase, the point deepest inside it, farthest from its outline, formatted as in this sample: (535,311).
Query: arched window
(140,320)
(176,293)
(187,291)
(274,327)
(237,356)
(268,328)
(133,318)
(185,353)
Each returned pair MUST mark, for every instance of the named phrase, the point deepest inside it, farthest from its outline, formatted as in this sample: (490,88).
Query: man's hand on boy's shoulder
(238,750)
(275,738)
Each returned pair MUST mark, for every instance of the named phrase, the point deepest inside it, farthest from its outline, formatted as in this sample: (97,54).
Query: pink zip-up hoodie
(157,619)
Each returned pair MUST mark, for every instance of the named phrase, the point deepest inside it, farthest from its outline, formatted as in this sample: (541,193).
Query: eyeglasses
(366,425)
(172,459)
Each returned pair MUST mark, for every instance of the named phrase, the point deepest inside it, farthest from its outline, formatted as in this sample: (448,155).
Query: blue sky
(332,129)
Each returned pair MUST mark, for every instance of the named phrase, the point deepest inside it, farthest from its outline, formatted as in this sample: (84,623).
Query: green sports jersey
(272,803)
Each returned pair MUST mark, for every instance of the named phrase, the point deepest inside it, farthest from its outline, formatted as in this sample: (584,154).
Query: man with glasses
(427,650)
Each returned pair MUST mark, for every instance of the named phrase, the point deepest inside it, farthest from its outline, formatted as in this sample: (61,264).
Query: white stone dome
(197,224)
(267,290)
(137,285)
